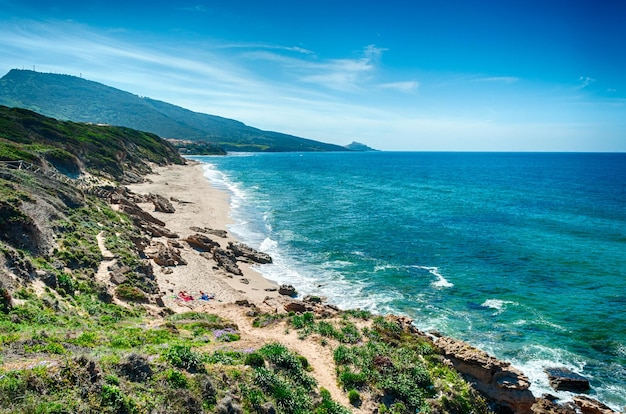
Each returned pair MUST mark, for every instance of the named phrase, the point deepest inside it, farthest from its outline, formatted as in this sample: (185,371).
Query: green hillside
(118,153)
(71,98)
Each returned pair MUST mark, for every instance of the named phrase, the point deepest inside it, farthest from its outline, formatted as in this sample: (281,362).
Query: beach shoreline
(199,205)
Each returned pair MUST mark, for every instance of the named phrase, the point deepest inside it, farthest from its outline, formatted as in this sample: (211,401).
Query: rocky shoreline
(506,387)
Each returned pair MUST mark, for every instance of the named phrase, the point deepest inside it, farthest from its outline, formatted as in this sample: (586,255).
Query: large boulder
(590,406)
(297,307)
(563,379)
(165,255)
(202,242)
(207,230)
(287,290)
(161,204)
(227,261)
(135,211)
(241,250)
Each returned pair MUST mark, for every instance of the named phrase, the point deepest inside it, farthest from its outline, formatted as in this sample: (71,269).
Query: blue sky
(396,75)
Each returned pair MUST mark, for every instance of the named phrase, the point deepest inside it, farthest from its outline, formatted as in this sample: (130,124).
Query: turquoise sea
(520,254)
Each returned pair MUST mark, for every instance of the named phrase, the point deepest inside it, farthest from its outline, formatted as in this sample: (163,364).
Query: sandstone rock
(218,233)
(297,307)
(136,211)
(155,230)
(201,242)
(287,290)
(545,406)
(165,255)
(241,250)
(179,201)
(563,379)
(267,408)
(314,299)
(161,203)
(226,261)
(590,406)
(117,278)
(498,380)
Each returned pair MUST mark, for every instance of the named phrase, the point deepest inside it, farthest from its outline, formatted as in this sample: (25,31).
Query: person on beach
(185,296)
(204,296)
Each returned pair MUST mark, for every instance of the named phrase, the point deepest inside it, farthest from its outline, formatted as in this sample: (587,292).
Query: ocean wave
(497,304)
(441,281)
(533,359)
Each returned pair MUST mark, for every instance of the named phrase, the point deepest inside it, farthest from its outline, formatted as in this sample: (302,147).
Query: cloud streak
(289,88)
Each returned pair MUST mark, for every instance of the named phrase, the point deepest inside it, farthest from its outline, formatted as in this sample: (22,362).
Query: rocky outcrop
(165,255)
(590,406)
(227,261)
(202,242)
(137,212)
(547,406)
(506,386)
(161,204)
(297,307)
(287,290)
(215,232)
(563,379)
(241,250)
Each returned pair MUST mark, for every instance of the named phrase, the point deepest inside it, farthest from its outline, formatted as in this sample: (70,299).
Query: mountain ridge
(68,97)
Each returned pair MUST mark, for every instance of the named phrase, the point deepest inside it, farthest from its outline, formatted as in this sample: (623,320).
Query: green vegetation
(114,151)
(381,358)
(63,97)
(68,345)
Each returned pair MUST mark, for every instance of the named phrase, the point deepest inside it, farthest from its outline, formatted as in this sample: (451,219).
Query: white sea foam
(441,281)
(536,358)
(497,304)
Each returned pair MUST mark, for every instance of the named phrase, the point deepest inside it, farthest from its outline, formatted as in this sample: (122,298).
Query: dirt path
(320,357)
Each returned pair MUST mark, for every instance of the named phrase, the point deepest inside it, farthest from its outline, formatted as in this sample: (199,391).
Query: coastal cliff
(121,291)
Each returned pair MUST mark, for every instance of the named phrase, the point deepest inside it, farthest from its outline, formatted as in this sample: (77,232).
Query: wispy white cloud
(284,88)
(266,46)
(406,86)
(585,81)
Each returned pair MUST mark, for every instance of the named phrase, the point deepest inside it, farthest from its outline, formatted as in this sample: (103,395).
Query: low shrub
(354,397)
(182,356)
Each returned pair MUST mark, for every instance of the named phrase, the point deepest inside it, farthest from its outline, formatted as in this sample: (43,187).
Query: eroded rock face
(165,255)
(161,204)
(202,242)
(498,380)
(227,261)
(241,250)
(215,232)
(590,406)
(545,406)
(287,290)
(563,379)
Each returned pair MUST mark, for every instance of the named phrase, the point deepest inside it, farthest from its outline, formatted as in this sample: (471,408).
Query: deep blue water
(521,254)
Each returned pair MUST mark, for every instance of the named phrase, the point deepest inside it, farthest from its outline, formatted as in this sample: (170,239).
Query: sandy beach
(201,205)
(198,205)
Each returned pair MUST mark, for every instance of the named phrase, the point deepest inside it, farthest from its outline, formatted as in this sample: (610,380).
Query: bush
(183,357)
(254,360)
(130,293)
(176,379)
(354,397)
(328,406)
